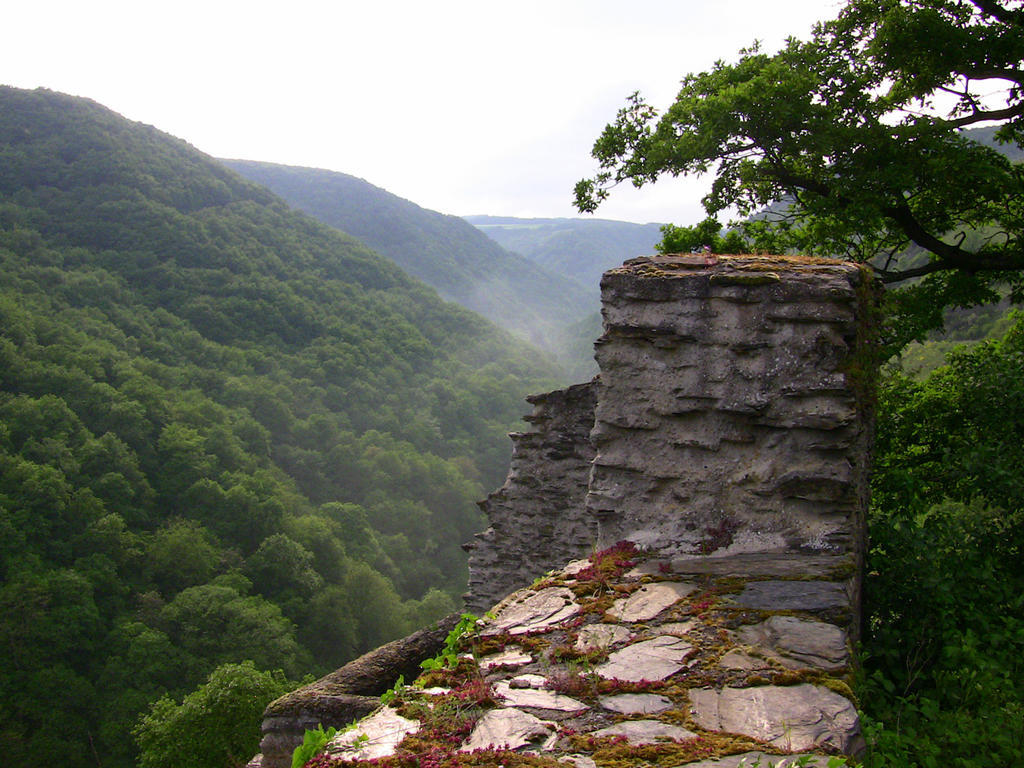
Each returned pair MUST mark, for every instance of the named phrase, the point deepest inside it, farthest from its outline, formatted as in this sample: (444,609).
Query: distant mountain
(580,249)
(227,431)
(987,136)
(443,251)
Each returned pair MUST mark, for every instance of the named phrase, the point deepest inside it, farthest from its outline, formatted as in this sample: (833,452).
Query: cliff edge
(716,474)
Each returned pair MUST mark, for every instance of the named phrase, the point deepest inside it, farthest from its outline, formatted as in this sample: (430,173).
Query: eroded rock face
(726,441)
(726,421)
(537,518)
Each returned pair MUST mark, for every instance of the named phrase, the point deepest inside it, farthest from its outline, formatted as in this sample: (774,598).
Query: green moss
(811,676)
(844,570)
(614,753)
(861,366)
(568,652)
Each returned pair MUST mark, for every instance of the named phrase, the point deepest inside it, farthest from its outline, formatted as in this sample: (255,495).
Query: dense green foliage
(945,586)
(216,725)
(860,129)
(581,250)
(706,234)
(443,251)
(227,432)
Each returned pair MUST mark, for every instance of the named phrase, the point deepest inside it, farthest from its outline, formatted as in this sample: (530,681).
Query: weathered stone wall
(538,518)
(728,420)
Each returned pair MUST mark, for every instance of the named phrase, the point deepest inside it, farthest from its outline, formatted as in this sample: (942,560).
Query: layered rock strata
(538,518)
(730,416)
(725,447)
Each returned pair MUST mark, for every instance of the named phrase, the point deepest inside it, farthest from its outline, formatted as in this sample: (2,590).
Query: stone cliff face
(715,477)
(727,420)
(537,518)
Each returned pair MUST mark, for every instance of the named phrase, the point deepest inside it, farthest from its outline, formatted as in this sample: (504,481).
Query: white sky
(461,107)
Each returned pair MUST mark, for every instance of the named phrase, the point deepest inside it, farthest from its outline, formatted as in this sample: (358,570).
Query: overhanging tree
(858,132)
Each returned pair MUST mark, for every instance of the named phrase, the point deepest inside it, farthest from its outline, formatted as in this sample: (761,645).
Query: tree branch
(949,256)
(981,116)
(1013,75)
(999,12)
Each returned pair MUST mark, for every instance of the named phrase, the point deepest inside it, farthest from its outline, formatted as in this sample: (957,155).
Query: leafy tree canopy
(859,131)
(227,433)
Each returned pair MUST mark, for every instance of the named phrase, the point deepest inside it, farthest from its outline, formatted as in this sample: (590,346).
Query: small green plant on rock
(448,657)
(394,692)
(312,742)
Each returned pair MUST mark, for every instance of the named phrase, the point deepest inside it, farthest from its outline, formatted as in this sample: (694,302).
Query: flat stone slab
(649,660)
(798,643)
(793,718)
(678,628)
(574,567)
(650,600)
(636,703)
(509,729)
(645,732)
(758,564)
(528,681)
(375,736)
(762,760)
(737,659)
(513,656)
(601,636)
(537,699)
(578,761)
(531,611)
(793,595)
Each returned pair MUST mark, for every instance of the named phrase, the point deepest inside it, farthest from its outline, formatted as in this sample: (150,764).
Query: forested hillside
(581,249)
(227,431)
(445,252)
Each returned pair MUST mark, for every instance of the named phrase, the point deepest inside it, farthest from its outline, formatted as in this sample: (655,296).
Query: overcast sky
(461,107)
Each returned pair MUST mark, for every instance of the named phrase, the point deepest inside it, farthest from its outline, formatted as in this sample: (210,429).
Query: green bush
(215,726)
(944,589)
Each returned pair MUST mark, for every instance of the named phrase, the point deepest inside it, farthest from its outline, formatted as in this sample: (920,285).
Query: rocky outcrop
(630,659)
(346,694)
(724,450)
(538,519)
(730,416)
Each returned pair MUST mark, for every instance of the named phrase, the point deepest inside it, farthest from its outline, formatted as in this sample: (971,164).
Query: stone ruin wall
(726,419)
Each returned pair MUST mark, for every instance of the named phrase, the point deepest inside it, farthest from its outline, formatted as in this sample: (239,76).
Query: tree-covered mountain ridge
(227,431)
(582,249)
(455,258)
